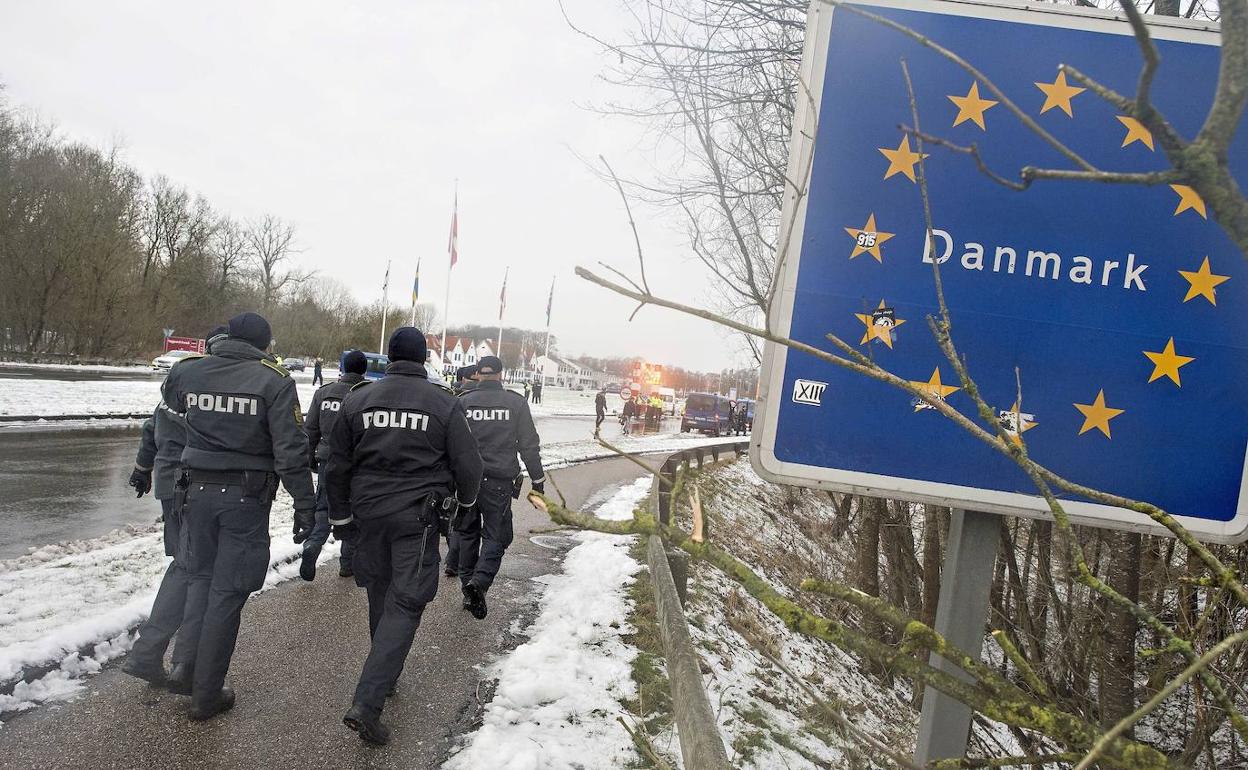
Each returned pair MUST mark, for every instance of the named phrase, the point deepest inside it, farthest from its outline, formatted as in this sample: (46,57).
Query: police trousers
(396,561)
(320,532)
(484,534)
(166,617)
(225,548)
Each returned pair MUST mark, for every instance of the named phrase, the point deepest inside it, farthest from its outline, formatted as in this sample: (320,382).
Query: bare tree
(270,243)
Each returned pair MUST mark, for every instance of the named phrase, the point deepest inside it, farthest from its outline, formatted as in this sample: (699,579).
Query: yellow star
(868,239)
(880,325)
(901,160)
(971,107)
(1167,363)
(1188,199)
(1136,132)
(934,388)
(1016,422)
(1059,94)
(1097,415)
(1203,282)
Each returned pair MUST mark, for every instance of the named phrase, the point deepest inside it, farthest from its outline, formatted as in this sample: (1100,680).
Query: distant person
(627,414)
(526,390)
(244,432)
(503,427)
(322,414)
(465,379)
(600,409)
(318,377)
(401,456)
(537,392)
(160,451)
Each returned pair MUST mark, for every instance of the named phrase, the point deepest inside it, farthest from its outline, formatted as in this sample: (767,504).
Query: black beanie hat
(354,362)
(407,343)
(252,329)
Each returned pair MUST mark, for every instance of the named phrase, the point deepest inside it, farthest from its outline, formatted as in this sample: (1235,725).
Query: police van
(706,413)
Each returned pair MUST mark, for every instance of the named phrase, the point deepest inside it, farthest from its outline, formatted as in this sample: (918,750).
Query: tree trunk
(1118,672)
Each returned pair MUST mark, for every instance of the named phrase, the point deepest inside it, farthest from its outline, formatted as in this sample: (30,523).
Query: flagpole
(502,305)
(452,248)
(549,303)
(385,287)
(415,293)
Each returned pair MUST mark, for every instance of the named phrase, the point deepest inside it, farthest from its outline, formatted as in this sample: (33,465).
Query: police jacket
(503,425)
(395,441)
(324,413)
(160,449)
(242,414)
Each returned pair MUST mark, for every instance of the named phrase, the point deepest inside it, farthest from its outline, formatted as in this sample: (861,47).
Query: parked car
(378,362)
(165,362)
(294,364)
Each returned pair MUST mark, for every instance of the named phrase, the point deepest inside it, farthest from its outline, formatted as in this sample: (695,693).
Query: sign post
(961,613)
(1103,323)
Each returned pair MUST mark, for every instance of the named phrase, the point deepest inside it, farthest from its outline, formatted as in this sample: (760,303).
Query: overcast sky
(353,120)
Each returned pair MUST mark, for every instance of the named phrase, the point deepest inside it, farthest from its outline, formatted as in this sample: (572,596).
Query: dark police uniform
(160,451)
(244,431)
(396,443)
(504,427)
(322,414)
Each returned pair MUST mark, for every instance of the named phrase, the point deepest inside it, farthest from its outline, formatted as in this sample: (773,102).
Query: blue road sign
(1122,308)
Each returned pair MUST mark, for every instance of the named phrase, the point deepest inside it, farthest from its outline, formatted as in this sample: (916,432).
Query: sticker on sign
(1114,311)
(808,392)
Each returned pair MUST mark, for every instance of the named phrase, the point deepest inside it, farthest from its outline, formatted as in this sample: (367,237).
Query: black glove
(141,480)
(345,533)
(539,487)
(305,520)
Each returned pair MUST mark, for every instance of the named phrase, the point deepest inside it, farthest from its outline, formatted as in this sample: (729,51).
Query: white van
(669,399)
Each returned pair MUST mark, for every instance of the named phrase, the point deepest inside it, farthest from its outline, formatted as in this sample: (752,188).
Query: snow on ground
(70,606)
(84,368)
(571,452)
(776,692)
(559,694)
(51,398)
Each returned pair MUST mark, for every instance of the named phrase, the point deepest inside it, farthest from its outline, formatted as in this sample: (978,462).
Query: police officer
(244,430)
(160,450)
(322,415)
(504,427)
(465,381)
(401,452)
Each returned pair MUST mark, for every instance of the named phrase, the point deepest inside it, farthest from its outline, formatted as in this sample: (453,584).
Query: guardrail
(701,745)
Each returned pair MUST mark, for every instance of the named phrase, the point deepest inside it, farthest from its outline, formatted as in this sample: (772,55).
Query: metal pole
(385,286)
(961,615)
(502,303)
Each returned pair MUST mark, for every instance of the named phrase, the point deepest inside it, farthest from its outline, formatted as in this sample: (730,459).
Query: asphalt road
(44,373)
(64,484)
(295,668)
(67,485)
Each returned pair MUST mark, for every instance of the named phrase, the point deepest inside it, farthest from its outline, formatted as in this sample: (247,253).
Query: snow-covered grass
(83,368)
(66,599)
(559,694)
(781,697)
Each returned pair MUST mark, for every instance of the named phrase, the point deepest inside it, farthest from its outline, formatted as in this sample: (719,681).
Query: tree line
(97,260)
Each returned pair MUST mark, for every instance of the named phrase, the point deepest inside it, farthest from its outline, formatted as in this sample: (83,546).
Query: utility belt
(515,482)
(437,510)
(261,485)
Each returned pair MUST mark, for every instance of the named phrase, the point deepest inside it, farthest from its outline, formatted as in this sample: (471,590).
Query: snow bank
(559,694)
(50,398)
(87,596)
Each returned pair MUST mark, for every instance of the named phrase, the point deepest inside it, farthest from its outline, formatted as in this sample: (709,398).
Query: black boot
(180,678)
(307,564)
(367,724)
(344,570)
(223,702)
(474,601)
(152,673)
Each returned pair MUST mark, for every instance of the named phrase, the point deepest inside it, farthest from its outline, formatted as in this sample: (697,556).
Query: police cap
(490,365)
